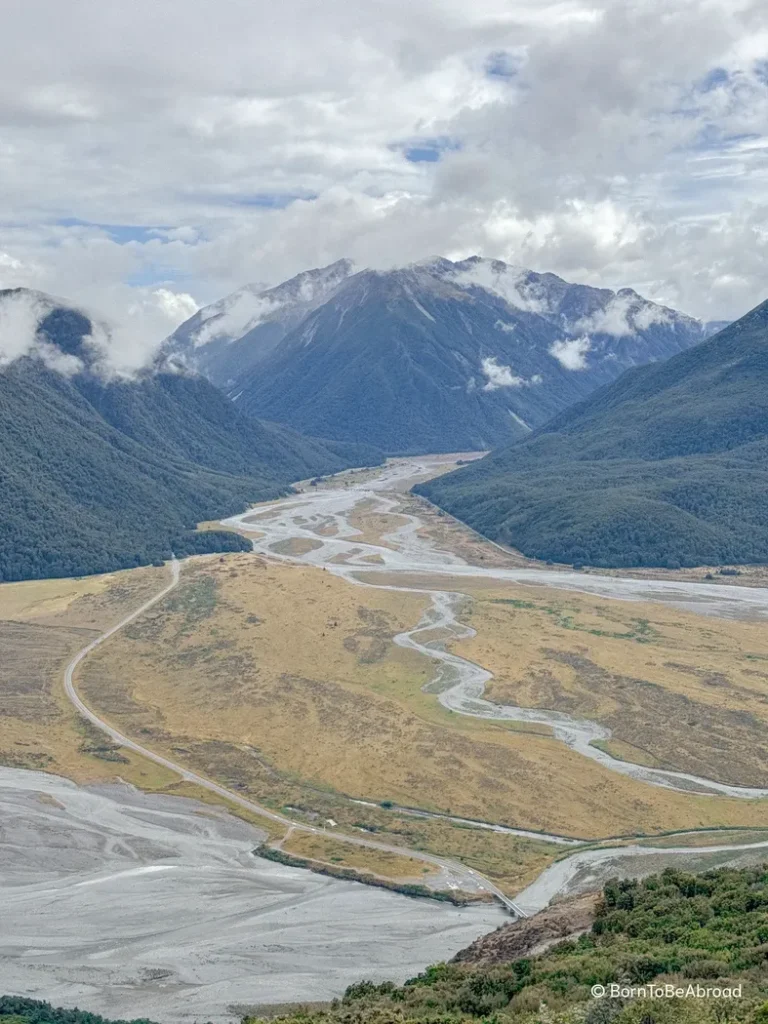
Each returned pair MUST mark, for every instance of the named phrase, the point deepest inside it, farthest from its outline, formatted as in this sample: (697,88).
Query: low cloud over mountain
(435,355)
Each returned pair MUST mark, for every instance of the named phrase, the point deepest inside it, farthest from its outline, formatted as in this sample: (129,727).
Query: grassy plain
(332,850)
(373,525)
(678,690)
(42,624)
(283,681)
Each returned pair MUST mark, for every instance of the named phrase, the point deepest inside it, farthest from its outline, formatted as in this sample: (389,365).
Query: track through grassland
(457,876)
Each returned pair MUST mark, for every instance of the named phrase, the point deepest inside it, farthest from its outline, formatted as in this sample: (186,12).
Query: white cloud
(507,282)
(613,319)
(176,306)
(233,317)
(20,317)
(499,376)
(507,328)
(571,353)
(623,316)
(608,164)
(649,314)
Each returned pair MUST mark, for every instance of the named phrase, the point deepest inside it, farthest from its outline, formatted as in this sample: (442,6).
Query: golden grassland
(704,839)
(678,690)
(512,862)
(373,525)
(281,680)
(43,623)
(332,850)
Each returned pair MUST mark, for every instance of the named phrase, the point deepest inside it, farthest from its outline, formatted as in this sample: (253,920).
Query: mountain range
(668,466)
(102,473)
(435,356)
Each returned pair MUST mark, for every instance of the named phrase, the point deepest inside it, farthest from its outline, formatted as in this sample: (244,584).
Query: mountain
(436,356)
(102,473)
(668,466)
(229,337)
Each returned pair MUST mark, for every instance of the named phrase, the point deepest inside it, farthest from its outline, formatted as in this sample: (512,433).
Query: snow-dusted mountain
(227,338)
(433,356)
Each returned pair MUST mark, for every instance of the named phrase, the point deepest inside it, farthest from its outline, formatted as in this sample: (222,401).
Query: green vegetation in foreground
(709,930)
(103,475)
(16,1010)
(666,467)
(674,927)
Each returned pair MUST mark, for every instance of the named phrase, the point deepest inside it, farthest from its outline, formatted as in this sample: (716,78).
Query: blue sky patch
(501,64)
(712,137)
(120,233)
(713,79)
(422,154)
(427,151)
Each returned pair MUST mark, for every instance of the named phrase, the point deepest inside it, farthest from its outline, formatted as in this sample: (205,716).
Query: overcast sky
(156,154)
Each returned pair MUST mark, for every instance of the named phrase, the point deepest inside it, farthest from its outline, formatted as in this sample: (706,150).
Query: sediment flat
(137,905)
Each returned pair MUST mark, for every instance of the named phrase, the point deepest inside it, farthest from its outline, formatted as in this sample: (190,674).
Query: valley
(305,658)
(321,688)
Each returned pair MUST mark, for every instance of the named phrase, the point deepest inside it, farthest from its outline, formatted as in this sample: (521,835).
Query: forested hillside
(99,475)
(17,1010)
(666,467)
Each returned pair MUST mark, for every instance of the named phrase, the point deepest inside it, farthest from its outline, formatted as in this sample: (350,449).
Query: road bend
(460,876)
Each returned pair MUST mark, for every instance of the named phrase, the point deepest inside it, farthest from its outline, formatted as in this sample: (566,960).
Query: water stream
(459,683)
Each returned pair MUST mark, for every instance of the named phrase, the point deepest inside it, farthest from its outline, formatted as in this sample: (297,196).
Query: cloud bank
(158,156)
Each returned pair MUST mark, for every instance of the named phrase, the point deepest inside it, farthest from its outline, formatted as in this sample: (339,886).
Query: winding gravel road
(453,875)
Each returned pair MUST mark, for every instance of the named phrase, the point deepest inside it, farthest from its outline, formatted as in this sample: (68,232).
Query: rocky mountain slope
(668,466)
(100,473)
(436,356)
(532,936)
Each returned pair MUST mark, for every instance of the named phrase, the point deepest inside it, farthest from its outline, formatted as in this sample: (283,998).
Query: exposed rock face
(532,935)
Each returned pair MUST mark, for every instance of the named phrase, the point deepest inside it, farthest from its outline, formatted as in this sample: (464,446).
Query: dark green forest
(97,476)
(708,930)
(17,1010)
(666,467)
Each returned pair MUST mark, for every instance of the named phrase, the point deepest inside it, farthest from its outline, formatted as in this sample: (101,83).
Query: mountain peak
(431,355)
